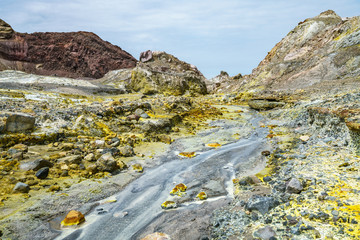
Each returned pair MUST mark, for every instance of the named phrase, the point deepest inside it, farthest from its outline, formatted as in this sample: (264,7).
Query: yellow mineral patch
(213,145)
(73,218)
(202,196)
(187,154)
(168,205)
(137,167)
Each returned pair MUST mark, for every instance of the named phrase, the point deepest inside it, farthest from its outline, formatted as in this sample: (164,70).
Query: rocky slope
(323,48)
(159,72)
(71,54)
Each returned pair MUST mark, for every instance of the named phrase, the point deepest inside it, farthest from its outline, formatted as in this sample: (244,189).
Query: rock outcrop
(70,54)
(320,49)
(159,72)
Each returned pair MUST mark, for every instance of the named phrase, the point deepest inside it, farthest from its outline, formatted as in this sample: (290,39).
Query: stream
(137,210)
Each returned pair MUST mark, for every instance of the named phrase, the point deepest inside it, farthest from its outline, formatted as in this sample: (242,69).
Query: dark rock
(42,173)
(265,153)
(21,188)
(261,204)
(146,56)
(294,186)
(267,179)
(265,233)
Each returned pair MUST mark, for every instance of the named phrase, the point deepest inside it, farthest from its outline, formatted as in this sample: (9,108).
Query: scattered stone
(178,189)
(265,153)
(90,157)
(99,143)
(261,204)
(213,145)
(187,154)
(107,163)
(165,139)
(73,218)
(133,117)
(264,104)
(305,138)
(265,233)
(267,179)
(72,159)
(202,196)
(19,148)
(168,205)
(21,188)
(139,111)
(126,151)
(54,188)
(42,173)
(294,186)
(145,116)
(137,167)
(157,236)
(66,146)
(35,164)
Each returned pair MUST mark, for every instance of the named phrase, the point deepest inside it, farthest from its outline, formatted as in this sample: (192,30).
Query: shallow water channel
(137,210)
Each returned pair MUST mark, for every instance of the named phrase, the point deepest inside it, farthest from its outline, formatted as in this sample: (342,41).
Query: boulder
(18,122)
(107,163)
(146,56)
(21,188)
(294,186)
(35,164)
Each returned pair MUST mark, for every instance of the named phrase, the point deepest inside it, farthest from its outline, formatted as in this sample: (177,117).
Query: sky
(214,35)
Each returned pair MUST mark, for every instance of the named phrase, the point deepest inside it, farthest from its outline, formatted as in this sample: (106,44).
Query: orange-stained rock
(73,218)
(202,196)
(157,236)
(187,154)
(213,145)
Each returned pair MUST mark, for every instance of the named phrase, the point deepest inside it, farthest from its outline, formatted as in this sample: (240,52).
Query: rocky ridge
(323,48)
(159,72)
(71,54)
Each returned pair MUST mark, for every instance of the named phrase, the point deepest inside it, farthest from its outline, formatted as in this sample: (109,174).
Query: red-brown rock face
(71,54)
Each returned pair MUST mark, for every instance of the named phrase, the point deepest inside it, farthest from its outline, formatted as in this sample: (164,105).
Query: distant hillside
(71,54)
